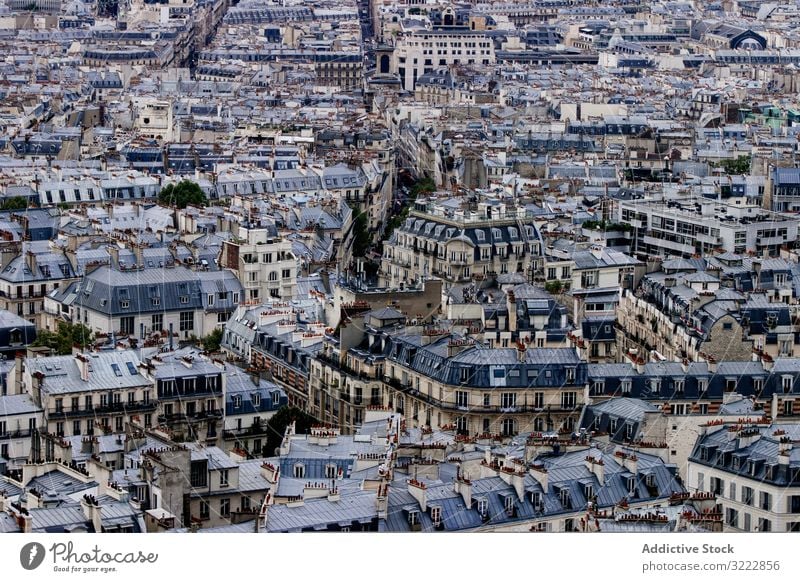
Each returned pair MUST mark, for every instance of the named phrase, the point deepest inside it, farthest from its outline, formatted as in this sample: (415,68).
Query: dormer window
(299,470)
(436,515)
(588,491)
(509,504)
(413,518)
(563,497)
(483,506)
(632,485)
(330,471)
(536,499)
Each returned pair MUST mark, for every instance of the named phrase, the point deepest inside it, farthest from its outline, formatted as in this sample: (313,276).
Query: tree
(212,341)
(739,166)
(276,427)
(14,203)
(67,336)
(361,238)
(182,194)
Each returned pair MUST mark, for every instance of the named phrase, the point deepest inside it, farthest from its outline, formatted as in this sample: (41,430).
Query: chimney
(596,467)
(83,366)
(597,251)
(137,251)
(30,260)
(26,523)
(382,500)
(629,461)
(511,301)
(463,487)
(539,473)
(113,253)
(270,473)
(521,351)
(19,364)
(417,490)
(92,511)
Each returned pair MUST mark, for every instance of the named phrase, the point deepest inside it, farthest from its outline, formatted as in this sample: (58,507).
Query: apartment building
(262,260)
(90,393)
(145,302)
(190,391)
(685,227)
(450,239)
(754,472)
(419,52)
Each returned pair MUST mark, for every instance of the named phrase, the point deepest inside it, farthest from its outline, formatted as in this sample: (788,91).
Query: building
(90,393)
(457,242)
(754,471)
(142,303)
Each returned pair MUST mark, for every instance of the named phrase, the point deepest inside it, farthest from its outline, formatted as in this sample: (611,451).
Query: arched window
(299,470)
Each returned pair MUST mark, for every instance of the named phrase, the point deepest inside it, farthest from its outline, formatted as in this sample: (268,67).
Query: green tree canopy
(14,203)
(182,194)
(276,426)
(68,335)
(212,341)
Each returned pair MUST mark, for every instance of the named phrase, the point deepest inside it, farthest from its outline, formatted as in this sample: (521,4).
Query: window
(157,321)
(413,518)
(199,474)
(766,501)
(568,399)
(256,399)
(237,401)
(299,470)
(487,399)
(764,524)
(747,495)
(509,427)
(483,506)
(436,515)
(186,320)
(462,399)
(76,427)
(509,505)
(330,471)
(508,400)
(538,399)
(223,478)
(732,517)
(117,371)
(717,485)
(225,507)
(204,510)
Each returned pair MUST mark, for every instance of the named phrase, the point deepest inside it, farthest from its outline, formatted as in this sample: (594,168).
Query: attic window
(124,304)
(117,371)
(588,491)
(483,506)
(436,515)
(509,504)
(536,499)
(299,470)
(563,497)
(413,518)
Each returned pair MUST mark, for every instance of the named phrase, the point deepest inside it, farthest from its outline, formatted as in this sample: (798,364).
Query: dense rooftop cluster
(397,266)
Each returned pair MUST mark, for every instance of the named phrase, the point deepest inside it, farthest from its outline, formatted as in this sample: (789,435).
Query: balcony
(117,408)
(196,417)
(16,434)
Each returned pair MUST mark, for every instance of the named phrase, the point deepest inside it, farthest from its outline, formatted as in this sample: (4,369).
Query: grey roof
(62,375)
(12,404)
(115,293)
